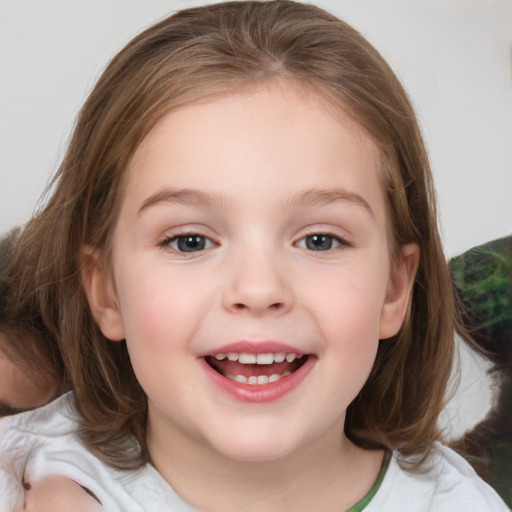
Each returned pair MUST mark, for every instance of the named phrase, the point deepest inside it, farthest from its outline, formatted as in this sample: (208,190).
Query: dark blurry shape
(31,369)
(483,281)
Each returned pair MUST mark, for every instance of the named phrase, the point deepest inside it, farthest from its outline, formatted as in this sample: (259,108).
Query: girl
(241,262)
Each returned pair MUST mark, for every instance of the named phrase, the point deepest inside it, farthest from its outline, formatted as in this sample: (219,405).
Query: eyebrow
(325,197)
(188,196)
(307,198)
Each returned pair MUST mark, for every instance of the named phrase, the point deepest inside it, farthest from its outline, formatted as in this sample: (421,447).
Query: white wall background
(454,57)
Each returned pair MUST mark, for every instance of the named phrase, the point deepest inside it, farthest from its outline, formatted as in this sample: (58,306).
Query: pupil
(319,242)
(191,243)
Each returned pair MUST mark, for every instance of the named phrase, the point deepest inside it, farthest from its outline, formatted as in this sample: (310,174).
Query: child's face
(252,225)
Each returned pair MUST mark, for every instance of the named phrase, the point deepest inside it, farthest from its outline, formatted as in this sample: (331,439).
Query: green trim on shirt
(361,505)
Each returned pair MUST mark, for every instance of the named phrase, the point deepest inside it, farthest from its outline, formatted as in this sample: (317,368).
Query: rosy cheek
(155,308)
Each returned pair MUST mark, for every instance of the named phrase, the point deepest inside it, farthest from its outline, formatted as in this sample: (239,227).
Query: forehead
(265,135)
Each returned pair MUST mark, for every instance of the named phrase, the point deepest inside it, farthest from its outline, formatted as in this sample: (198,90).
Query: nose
(259,285)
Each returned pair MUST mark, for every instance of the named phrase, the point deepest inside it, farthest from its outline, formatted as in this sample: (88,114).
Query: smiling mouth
(256,369)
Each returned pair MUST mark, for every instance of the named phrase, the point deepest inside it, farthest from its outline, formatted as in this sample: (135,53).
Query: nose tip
(258,287)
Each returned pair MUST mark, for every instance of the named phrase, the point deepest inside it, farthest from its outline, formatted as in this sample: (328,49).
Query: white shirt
(448,484)
(44,442)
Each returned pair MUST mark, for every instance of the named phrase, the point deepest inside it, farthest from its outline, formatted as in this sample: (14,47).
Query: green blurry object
(483,282)
(483,279)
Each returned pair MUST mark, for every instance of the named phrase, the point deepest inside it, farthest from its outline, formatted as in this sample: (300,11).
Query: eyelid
(188,230)
(318,230)
(336,240)
(179,232)
(177,237)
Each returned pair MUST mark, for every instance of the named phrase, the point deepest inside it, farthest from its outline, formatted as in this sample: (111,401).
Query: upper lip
(255,347)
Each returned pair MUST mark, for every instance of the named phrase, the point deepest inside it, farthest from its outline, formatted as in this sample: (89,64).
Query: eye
(188,243)
(319,242)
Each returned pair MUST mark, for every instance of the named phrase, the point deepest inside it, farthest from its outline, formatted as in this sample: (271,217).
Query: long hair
(203,53)
(25,339)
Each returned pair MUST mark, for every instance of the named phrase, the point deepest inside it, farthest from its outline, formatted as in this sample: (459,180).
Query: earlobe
(398,293)
(100,292)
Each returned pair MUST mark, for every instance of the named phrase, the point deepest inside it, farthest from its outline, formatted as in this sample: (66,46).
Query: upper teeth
(267,358)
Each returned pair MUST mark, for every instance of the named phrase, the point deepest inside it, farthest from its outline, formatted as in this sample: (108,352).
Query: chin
(254,446)
(254,454)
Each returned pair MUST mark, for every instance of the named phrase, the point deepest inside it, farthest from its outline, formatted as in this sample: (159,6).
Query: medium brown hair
(26,341)
(200,53)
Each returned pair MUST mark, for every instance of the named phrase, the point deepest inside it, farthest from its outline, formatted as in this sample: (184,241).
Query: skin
(273,167)
(56,493)
(21,388)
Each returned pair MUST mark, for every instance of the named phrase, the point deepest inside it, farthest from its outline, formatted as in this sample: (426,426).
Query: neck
(329,473)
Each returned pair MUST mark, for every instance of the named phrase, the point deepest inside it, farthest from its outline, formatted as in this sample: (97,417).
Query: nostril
(240,306)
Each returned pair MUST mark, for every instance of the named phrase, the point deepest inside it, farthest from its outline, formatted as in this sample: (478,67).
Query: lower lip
(258,393)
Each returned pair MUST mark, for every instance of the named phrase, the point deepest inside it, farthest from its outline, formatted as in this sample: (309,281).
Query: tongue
(227,367)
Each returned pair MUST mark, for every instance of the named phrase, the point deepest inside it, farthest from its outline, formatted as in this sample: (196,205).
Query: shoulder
(41,444)
(458,484)
(36,445)
(445,481)
(58,493)
(21,437)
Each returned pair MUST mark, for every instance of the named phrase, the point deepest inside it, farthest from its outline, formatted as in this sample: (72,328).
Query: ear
(100,291)
(398,292)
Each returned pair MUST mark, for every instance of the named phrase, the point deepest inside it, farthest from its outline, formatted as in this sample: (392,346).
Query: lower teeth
(259,380)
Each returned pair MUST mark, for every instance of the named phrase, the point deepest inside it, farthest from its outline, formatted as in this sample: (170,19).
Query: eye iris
(191,243)
(319,242)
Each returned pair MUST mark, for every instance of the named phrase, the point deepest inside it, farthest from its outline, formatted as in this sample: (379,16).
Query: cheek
(157,332)
(347,310)
(151,312)
(348,303)
(160,306)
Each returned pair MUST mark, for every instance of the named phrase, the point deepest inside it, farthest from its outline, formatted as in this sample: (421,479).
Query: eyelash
(334,239)
(168,240)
